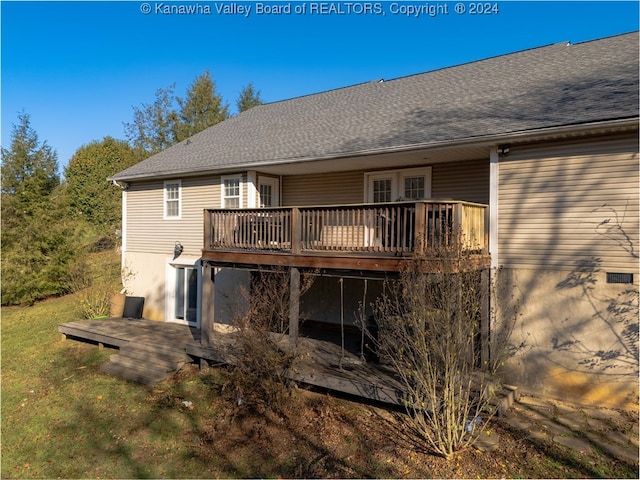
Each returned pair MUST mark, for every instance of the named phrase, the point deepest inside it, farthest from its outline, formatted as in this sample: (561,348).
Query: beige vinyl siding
(561,206)
(148,232)
(323,189)
(467,180)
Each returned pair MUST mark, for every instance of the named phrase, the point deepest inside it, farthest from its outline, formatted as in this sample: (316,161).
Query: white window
(172,199)
(231,186)
(382,191)
(414,187)
(398,185)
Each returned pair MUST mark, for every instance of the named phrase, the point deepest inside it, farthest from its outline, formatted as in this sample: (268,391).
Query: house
(534,155)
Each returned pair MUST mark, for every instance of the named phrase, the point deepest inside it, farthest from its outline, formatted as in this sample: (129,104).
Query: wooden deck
(320,364)
(116,332)
(365,237)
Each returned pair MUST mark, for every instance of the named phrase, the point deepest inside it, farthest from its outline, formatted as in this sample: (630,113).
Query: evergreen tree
(201,109)
(153,126)
(248,98)
(29,169)
(37,237)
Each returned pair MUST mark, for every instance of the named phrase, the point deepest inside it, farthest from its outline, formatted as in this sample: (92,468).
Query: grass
(62,418)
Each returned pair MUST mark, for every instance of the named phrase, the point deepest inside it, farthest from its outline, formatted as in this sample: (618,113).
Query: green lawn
(62,418)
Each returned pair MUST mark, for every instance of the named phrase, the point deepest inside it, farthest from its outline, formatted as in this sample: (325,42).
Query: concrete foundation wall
(145,275)
(576,337)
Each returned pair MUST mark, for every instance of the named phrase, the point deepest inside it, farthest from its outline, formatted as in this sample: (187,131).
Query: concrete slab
(574,443)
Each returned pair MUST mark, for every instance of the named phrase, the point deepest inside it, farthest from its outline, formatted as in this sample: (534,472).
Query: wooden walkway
(320,363)
(116,332)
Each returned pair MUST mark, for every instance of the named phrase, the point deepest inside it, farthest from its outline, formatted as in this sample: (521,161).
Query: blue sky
(79,68)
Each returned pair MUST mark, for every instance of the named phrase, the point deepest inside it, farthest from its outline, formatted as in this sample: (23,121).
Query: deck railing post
(296,231)
(420,232)
(458,233)
(207,229)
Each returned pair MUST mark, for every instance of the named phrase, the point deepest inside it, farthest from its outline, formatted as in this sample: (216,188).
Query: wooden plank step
(145,365)
(143,376)
(156,348)
(138,352)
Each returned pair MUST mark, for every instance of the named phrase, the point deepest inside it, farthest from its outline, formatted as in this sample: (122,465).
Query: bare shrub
(94,302)
(259,378)
(432,331)
(94,284)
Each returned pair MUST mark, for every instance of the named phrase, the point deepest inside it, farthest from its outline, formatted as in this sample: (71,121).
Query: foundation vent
(626,278)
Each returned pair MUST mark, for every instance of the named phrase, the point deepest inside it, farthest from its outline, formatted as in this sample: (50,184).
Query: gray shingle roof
(552,86)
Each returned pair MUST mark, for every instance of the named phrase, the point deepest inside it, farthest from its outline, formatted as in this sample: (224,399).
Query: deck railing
(386,228)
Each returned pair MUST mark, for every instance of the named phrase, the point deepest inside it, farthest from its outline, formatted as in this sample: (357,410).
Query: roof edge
(488,140)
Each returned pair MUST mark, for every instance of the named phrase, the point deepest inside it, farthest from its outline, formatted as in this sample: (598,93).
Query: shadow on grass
(580,449)
(101,426)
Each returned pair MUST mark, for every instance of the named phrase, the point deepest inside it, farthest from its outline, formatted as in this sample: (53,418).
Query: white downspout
(124,186)
(494,159)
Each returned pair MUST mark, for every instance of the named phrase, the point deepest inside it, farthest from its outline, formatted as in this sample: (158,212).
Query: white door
(383,187)
(394,186)
(183,299)
(399,185)
(268,192)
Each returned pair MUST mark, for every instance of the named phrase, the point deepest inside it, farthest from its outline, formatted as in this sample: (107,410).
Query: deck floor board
(319,363)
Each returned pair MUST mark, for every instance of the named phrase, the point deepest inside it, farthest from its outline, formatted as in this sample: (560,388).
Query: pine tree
(201,109)
(37,240)
(248,98)
(29,169)
(153,126)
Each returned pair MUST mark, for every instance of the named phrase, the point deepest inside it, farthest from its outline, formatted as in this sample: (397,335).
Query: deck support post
(207,306)
(294,306)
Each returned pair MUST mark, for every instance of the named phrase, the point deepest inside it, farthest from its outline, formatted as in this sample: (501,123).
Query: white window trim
(222,196)
(371,177)
(165,216)
(275,185)
(252,189)
(170,280)
(397,177)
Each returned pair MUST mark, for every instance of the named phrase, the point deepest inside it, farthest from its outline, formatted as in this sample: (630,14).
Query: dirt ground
(315,435)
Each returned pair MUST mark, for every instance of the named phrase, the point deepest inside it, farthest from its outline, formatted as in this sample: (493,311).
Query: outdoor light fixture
(177,250)
(503,150)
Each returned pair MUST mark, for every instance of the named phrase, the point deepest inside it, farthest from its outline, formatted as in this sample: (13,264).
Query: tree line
(49,221)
